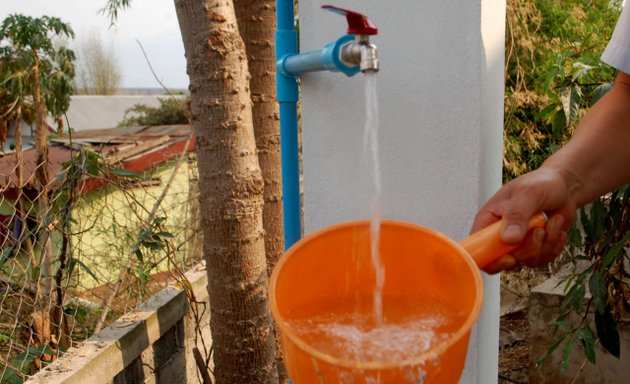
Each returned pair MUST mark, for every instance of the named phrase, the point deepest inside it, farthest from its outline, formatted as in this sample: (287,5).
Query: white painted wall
(440,91)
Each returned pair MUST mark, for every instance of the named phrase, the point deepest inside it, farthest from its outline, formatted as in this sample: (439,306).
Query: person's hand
(545,189)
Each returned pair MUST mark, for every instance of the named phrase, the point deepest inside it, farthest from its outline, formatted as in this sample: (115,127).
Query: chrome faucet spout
(360,52)
(369,58)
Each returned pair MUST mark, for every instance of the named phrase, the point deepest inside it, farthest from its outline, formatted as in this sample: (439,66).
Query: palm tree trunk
(231,189)
(42,182)
(41,139)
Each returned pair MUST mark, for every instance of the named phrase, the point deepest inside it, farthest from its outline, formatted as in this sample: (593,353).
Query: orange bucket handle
(486,246)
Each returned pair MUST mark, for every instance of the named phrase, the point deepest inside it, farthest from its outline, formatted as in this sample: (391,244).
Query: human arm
(596,160)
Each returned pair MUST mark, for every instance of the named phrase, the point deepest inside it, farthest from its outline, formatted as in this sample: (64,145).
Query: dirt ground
(514,329)
(514,357)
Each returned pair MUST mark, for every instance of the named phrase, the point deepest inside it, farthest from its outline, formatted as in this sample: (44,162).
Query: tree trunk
(42,183)
(19,155)
(257,25)
(24,236)
(231,187)
(41,139)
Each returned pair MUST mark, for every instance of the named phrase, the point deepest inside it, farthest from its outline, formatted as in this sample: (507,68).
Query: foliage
(170,111)
(112,7)
(27,360)
(553,74)
(599,257)
(30,61)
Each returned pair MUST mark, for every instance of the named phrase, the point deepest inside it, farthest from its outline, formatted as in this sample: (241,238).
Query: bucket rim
(428,356)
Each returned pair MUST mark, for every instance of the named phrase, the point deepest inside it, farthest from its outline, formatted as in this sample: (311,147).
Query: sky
(152,22)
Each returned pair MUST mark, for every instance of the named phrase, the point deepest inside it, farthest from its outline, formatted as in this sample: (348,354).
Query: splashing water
(370,140)
(410,327)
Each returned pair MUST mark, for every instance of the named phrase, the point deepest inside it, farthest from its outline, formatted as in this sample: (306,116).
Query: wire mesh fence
(89,246)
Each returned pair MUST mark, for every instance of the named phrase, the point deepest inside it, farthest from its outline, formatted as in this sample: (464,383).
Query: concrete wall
(153,344)
(440,90)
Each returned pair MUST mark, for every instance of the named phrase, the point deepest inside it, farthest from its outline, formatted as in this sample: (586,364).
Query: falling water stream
(370,139)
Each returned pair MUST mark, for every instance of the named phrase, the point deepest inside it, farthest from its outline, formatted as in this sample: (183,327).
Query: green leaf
(597,287)
(575,296)
(586,224)
(91,167)
(560,324)
(43,349)
(153,245)
(607,332)
(111,9)
(614,251)
(139,256)
(575,236)
(547,112)
(566,355)
(61,175)
(559,123)
(12,376)
(6,253)
(124,173)
(570,95)
(551,76)
(594,222)
(586,336)
(597,215)
(4,338)
(600,91)
(615,207)
(547,353)
(582,69)
(84,267)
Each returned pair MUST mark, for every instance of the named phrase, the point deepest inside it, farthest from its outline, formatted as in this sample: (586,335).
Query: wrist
(570,181)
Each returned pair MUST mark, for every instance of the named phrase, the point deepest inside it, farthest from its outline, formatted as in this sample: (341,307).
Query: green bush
(553,73)
(170,111)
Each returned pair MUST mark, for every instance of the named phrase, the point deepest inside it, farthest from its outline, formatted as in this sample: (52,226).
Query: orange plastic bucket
(321,297)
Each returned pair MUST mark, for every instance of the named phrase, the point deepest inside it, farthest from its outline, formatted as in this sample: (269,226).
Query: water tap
(349,54)
(359,51)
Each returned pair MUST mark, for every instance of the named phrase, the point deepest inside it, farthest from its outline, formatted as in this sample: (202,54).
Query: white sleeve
(617,53)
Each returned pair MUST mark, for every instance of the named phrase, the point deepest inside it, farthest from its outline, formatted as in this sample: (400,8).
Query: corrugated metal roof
(88,112)
(135,148)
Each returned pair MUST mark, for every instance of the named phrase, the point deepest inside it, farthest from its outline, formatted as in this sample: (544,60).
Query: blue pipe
(288,93)
(325,59)
(289,65)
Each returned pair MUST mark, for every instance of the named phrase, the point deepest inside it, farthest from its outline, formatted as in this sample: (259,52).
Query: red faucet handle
(358,24)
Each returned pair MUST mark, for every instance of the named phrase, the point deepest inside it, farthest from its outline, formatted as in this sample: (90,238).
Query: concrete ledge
(544,307)
(150,344)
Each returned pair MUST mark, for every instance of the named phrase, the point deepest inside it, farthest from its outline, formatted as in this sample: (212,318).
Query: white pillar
(440,91)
